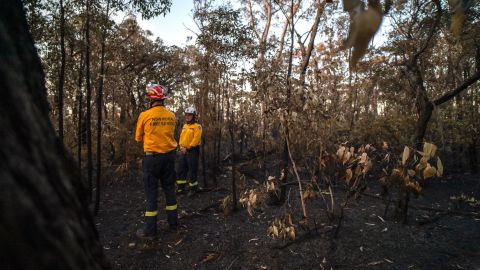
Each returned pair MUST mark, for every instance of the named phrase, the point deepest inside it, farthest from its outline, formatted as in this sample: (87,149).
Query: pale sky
(171,28)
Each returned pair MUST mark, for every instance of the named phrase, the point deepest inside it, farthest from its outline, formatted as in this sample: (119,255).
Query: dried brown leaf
(429,150)
(348,175)
(363,26)
(406,154)
(439,167)
(429,172)
(211,256)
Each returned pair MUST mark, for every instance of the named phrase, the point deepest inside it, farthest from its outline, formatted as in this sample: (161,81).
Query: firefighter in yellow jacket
(190,140)
(155,128)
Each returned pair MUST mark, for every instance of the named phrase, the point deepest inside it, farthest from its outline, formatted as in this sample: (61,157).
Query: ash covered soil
(208,239)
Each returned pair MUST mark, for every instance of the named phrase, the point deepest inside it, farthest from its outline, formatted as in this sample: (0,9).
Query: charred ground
(443,239)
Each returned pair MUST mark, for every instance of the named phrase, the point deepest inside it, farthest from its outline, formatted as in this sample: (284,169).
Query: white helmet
(191,110)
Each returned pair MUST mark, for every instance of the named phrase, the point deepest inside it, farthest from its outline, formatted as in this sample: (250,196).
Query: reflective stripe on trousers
(188,167)
(160,167)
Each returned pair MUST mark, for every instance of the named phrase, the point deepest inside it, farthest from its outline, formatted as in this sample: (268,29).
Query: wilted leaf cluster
(414,166)
(282,228)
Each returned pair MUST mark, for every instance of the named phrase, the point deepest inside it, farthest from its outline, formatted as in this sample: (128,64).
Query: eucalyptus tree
(224,41)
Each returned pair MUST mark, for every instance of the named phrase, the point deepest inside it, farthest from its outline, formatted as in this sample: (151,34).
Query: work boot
(181,189)
(149,230)
(172,218)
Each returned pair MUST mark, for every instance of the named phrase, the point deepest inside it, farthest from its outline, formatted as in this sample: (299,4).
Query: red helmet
(156,91)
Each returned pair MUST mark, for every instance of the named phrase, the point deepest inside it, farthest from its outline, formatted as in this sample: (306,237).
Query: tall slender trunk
(80,116)
(232,142)
(203,111)
(234,182)
(353,119)
(220,121)
(311,42)
(264,137)
(61,77)
(216,154)
(285,158)
(99,111)
(89,99)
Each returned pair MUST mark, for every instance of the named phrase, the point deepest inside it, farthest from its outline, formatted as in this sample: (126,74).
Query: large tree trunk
(422,103)
(45,223)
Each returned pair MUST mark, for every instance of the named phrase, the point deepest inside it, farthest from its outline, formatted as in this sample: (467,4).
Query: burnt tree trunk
(79,99)
(422,103)
(88,121)
(61,77)
(204,172)
(231,130)
(99,112)
(45,222)
(284,166)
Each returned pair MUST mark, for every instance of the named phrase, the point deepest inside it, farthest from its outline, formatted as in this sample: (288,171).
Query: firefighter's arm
(139,131)
(197,136)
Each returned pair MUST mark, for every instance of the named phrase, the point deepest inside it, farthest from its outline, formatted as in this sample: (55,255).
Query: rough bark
(45,223)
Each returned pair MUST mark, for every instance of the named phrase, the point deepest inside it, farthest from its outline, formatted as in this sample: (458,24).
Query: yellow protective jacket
(191,135)
(156,127)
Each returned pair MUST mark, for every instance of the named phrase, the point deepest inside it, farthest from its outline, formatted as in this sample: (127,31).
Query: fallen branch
(431,219)
(292,183)
(447,211)
(231,264)
(431,209)
(298,178)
